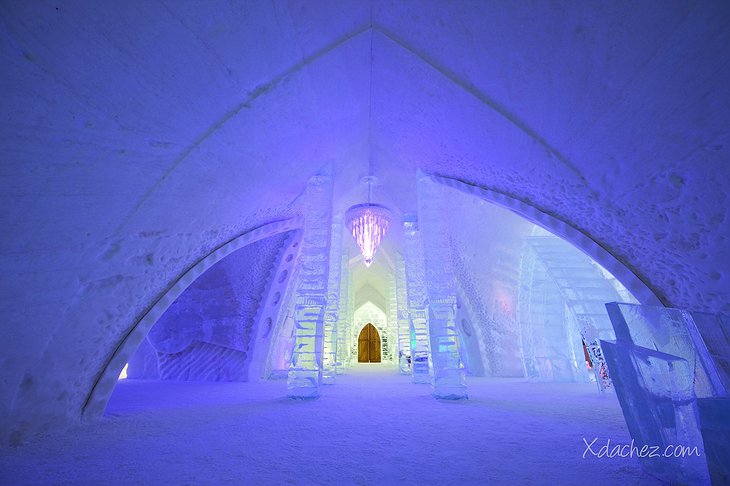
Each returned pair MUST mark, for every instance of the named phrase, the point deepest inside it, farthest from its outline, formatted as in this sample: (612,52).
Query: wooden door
(368,345)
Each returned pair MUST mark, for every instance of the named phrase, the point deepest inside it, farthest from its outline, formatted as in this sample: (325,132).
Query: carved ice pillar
(329,361)
(417,303)
(404,332)
(351,323)
(393,319)
(343,319)
(305,370)
(449,378)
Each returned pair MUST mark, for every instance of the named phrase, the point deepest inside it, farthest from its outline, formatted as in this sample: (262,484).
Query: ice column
(449,378)
(329,362)
(350,322)
(417,302)
(343,319)
(404,331)
(393,342)
(305,370)
(393,318)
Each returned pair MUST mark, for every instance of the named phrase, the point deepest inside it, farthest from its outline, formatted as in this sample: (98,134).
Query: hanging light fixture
(368,223)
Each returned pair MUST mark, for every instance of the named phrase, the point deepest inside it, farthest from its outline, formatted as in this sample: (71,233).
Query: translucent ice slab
(657,398)
(679,333)
(715,420)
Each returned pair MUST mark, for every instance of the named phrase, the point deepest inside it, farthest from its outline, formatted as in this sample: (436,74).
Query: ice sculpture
(656,393)
(675,331)
(343,319)
(305,371)
(449,378)
(329,360)
(417,301)
(404,332)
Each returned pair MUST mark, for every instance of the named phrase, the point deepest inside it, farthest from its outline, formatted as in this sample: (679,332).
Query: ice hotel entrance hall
(220,195)
(456,336)
(519,318)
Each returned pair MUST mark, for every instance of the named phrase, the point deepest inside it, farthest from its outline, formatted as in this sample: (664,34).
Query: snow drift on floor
(372,427)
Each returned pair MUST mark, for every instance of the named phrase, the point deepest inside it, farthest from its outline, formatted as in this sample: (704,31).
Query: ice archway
(132,152)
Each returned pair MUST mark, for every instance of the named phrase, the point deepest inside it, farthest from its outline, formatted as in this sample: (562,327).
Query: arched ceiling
(136,137)
(608,116)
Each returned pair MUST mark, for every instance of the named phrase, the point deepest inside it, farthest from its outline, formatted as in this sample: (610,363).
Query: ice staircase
(586,288)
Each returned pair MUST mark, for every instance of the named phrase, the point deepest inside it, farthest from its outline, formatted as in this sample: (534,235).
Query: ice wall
(486,247)
(470,346)
(208,333)
(144,364)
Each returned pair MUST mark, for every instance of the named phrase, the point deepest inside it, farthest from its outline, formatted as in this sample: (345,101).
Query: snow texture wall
(136,139)
(487,247)
(208,333)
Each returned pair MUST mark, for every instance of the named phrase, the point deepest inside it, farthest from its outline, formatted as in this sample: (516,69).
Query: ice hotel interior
(364,242)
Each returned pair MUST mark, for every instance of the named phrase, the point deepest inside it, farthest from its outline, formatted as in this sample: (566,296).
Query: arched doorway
(368,345)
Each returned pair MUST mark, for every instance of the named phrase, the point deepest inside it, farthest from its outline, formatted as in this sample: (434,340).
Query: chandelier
(368,223)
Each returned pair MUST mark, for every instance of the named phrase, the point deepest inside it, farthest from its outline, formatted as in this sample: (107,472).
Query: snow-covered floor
(372,427)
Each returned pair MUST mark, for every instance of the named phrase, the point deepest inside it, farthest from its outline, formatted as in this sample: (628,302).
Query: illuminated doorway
(368,345)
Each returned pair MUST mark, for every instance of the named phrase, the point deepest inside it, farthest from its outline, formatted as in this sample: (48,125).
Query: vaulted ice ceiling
(138,137)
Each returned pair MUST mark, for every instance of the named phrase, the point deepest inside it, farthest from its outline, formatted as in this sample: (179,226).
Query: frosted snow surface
(373,427)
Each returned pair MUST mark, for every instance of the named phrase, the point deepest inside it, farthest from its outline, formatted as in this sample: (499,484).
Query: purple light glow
(368,223)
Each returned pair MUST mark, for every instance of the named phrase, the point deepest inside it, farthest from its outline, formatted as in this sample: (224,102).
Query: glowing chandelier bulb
(368,223)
